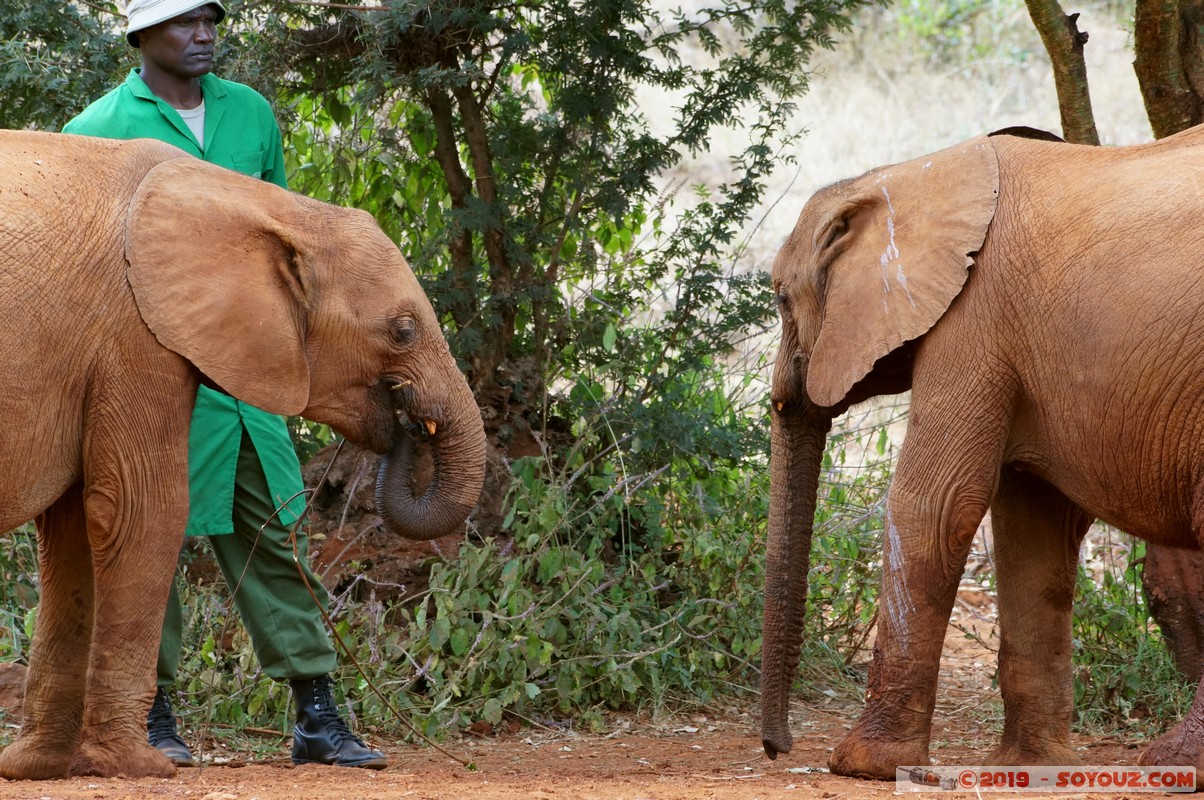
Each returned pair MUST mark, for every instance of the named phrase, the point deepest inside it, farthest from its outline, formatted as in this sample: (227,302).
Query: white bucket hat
(143,14)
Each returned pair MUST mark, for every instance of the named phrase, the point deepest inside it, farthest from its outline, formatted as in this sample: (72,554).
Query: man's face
(182,46)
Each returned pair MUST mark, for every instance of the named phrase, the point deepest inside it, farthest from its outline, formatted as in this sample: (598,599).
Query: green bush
(607,592)
(18,592)
(958,33)
(1124,674)
(597,598)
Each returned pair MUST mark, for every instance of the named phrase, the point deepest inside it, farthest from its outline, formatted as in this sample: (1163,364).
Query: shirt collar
(211,87)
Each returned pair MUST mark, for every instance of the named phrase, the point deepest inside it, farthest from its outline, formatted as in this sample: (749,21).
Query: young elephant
(129,272)
(1045,304)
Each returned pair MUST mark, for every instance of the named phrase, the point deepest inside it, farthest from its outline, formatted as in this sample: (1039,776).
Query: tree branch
(1064,43)
(501,268)
(320,4)
(460,188)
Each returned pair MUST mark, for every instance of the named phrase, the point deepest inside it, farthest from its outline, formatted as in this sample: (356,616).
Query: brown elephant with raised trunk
(129,272)
(1044,302)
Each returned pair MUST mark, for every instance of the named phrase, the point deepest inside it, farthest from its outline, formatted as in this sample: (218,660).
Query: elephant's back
(63,202)
(1094,290)
(74,173)
(70,184)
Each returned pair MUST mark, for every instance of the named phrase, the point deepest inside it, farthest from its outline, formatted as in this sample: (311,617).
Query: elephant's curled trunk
(459,473)
(798,438)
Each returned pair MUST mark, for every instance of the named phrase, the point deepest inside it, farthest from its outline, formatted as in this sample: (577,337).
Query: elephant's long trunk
(799,433)
(459,458)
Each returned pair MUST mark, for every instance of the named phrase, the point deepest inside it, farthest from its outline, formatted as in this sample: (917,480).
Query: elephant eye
(403,331)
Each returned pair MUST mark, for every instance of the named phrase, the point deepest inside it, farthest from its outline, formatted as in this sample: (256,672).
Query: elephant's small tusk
(780,405)
(397,386)
(430,426)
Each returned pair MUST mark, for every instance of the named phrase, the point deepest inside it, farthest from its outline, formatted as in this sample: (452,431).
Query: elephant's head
(870,267)
(301,307)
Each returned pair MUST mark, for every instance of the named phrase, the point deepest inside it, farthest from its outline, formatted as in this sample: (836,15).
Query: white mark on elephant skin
(902,279)
(891,254)
(889,205)
(896,598)
(892,251)
(927,164)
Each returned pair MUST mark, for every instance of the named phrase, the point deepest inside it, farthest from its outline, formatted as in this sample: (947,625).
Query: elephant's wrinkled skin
(1045,304)
(129,272)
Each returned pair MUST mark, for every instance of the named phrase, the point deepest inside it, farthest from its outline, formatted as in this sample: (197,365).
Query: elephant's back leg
(58,660)
(1183,745)
(1037,531)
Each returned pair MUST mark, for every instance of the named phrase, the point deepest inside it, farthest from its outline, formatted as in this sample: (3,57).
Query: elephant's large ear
(912,229)
(219,277)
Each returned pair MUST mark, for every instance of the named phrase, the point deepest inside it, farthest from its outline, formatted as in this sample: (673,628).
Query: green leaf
(492,712)
(550,565)
(440,633)
(459,641)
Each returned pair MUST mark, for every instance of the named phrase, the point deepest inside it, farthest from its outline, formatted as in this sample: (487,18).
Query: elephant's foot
(1182,746)
(1033,752)
(32,758)
(128,760)
(859,756)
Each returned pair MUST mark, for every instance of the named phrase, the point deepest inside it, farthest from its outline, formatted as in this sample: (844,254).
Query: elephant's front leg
(132,571)
(58,661)
(1183,745)
(946,476)
(136,501)
(1037,533)
(919,583)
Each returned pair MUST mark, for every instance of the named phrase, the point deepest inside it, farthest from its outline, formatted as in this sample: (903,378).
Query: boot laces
(160,722)
(327,713)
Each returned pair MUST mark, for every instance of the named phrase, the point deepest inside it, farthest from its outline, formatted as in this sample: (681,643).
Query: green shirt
(241,133)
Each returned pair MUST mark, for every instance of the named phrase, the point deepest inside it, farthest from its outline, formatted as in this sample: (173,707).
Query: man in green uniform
(242,466)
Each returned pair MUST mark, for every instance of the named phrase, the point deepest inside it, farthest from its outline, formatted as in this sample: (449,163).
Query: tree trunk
(1167,41)
(1064,43)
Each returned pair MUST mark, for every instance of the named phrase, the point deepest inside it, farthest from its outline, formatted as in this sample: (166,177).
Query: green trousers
(286,627)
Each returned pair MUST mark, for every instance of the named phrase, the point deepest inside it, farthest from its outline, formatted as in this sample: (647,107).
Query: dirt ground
(683,759)
(722,761)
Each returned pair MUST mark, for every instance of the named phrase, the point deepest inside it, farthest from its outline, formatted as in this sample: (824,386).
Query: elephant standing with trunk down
(129,273)
(1045,304)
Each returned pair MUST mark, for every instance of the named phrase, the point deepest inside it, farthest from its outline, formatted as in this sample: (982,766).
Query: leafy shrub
(1124,674)
(597,599)
(956,33)
(18,592)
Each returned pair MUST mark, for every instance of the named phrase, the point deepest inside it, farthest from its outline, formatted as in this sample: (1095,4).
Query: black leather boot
(321,736)
(161,731)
